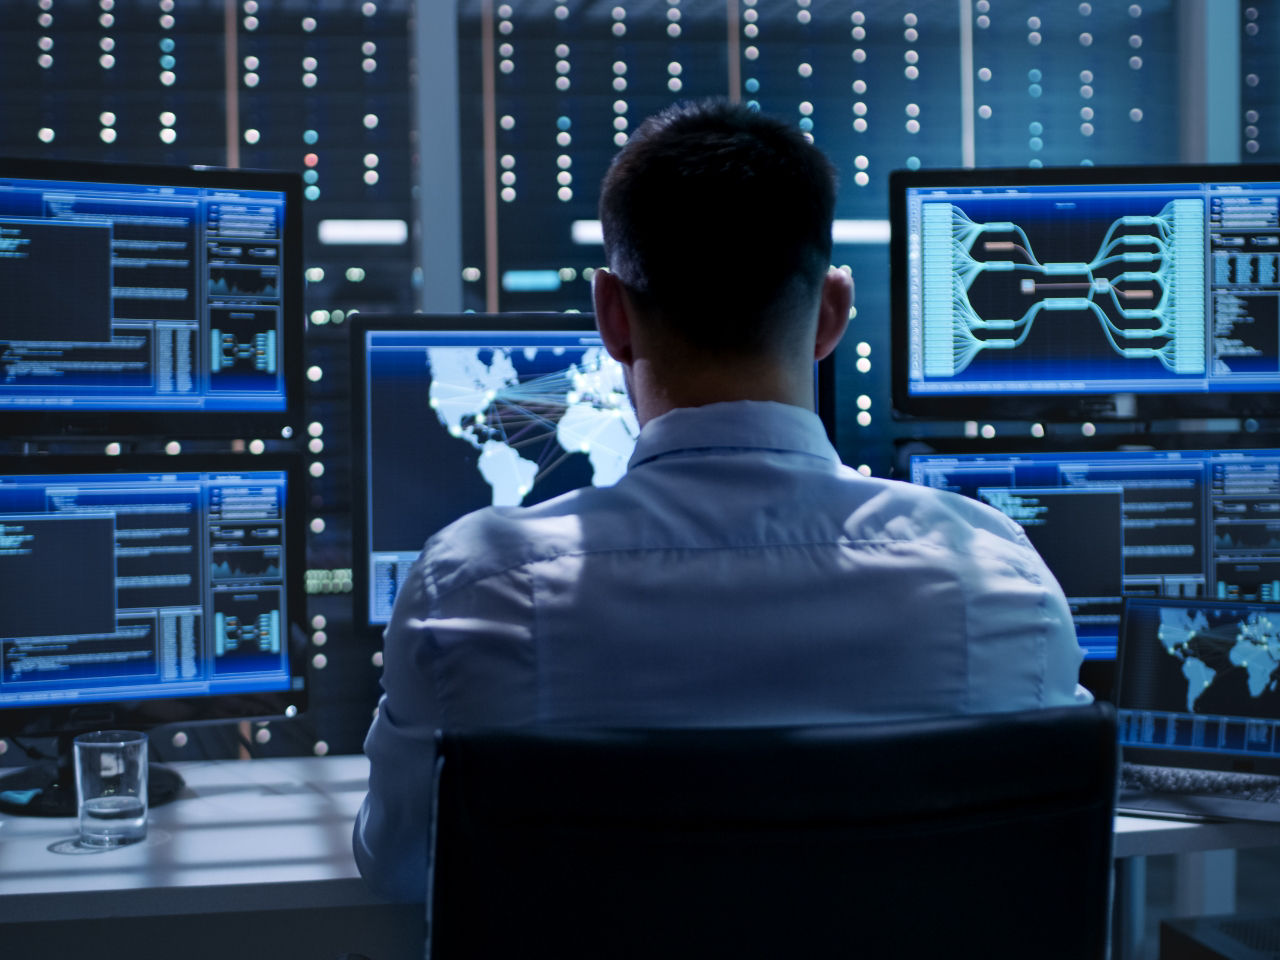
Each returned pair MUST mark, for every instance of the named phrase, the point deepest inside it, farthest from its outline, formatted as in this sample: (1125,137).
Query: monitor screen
(143,591)
(1197,682)
(1086,292)
(455,413)
(1110,524)
(131,295)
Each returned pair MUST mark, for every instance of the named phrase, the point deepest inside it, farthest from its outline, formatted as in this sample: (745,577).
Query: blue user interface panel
(1201,676)
(456,420)
(1171,523)
(1145,288)
(140,297)
(127,586)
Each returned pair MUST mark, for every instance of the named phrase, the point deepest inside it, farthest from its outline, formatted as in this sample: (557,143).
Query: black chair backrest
(985,836)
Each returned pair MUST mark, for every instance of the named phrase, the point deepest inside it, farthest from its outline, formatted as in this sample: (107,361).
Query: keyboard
(1202,793)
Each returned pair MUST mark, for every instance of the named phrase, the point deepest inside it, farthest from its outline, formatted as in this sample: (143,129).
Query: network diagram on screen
(1143,288)
(141,585)
(140,297)
(1111,524)
(461,420)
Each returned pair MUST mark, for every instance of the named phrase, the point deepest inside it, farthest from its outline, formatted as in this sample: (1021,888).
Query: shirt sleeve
(1023,647)
(391,831)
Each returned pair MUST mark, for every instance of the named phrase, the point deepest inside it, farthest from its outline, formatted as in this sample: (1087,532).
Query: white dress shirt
(738,574)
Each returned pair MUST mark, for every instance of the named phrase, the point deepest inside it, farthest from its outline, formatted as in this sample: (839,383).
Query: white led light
(363,232)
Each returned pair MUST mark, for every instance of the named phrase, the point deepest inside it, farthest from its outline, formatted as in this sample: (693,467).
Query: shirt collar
(736,425)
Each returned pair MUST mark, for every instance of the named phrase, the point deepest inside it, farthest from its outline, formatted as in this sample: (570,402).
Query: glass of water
(111,787)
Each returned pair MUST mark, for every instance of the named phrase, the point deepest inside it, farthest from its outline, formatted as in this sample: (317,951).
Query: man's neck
(654,396)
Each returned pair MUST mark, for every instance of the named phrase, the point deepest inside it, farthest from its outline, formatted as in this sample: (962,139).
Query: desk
(268,844)
(254,860)
(1204,870)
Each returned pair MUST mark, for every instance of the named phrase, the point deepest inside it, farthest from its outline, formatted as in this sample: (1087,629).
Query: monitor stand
(48,788)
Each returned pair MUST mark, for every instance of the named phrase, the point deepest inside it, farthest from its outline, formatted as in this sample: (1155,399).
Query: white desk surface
(245,835)
(1151,836)
(276,834)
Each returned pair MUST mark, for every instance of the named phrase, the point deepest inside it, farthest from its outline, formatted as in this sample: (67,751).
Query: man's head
(718,219)
(717,232)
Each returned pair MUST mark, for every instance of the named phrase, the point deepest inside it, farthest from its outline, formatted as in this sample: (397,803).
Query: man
(738,573)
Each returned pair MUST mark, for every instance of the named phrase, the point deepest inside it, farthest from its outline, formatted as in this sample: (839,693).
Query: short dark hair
(713,188)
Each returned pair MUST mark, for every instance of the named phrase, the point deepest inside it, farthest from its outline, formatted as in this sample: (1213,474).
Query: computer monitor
(458,412)
(1197,684)
(1086,292)
(149,299)
(1118,523)
(147,590)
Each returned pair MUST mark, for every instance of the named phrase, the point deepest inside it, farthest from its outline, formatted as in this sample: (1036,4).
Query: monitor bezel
(142,714)
(72,421)
(1099,406)
(1189,759)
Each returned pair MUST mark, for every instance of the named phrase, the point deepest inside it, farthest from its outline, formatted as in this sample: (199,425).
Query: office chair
(980,836)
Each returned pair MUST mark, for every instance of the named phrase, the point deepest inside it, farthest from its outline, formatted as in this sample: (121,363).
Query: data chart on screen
(147,296)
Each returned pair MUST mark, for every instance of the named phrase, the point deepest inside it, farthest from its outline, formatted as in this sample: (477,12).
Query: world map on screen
(1252,643)
(527,409)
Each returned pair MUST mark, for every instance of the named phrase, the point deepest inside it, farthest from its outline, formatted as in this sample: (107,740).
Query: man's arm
(461,657)
(390,838)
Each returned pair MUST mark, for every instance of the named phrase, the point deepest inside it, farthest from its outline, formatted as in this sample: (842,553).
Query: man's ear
(833,311)
(613,318)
